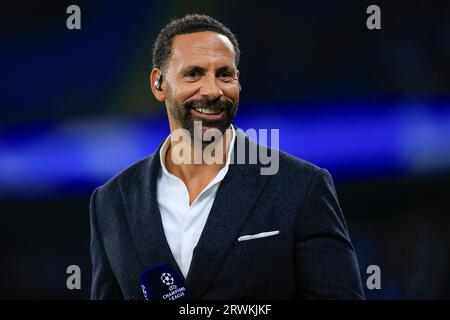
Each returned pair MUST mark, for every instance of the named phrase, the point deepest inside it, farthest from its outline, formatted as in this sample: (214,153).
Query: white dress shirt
(183,223)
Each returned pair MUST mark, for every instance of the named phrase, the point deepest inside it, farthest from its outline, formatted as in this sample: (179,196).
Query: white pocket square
(259,235)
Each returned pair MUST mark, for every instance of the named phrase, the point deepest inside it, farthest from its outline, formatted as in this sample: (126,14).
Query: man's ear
(155,77)
(238,83)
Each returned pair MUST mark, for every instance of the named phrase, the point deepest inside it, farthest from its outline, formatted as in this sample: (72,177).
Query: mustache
(209,103)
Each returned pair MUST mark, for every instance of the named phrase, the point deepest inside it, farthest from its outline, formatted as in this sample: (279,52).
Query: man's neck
(199,169)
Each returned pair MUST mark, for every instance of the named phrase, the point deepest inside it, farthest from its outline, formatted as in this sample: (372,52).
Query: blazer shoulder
(291,165)
(288,165)
(126,177)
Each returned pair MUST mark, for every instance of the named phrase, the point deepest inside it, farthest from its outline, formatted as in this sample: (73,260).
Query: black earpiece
(158,83)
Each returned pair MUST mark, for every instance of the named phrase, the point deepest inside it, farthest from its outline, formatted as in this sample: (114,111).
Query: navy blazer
(312,257)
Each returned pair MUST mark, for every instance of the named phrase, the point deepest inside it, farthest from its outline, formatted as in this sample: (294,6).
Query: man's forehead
(201,44)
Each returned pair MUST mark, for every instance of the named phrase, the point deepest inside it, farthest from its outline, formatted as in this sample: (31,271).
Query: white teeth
(208,110)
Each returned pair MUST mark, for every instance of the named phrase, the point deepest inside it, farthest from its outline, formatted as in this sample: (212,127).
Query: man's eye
(226,76)
(192,75)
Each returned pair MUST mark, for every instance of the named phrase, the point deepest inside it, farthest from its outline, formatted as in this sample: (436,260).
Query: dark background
(372,106)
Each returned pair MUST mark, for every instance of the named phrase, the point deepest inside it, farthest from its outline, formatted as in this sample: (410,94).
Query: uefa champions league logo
(167,279)
(162,283)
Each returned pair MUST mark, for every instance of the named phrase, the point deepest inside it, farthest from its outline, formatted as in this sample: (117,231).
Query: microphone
(163,283)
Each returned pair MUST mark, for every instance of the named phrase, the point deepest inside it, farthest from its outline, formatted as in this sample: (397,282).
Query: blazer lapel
(235,198)
(145,219)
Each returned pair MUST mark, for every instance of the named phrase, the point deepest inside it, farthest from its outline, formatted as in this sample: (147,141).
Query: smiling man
(229,230)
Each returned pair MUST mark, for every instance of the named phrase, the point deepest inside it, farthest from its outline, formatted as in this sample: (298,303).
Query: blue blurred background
(373,107)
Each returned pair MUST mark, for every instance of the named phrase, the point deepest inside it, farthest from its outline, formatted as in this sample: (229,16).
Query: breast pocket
(260,243)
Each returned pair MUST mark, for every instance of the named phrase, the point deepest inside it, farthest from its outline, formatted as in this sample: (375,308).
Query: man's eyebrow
(203,70)
(193,69)
(226,68)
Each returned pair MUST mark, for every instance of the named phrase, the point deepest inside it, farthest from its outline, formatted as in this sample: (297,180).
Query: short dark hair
(162,48)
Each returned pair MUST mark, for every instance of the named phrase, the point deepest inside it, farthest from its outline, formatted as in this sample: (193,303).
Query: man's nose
(210,88)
